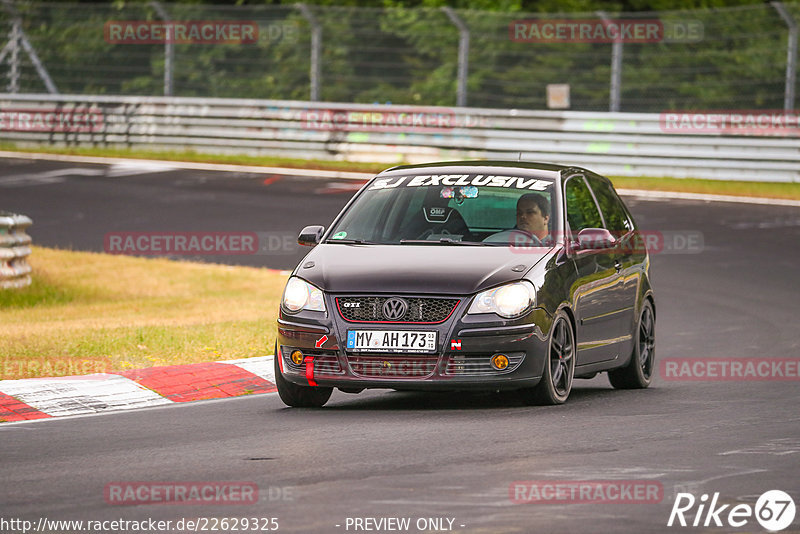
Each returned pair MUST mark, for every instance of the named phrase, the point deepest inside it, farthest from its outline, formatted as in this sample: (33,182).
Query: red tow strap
(310,370)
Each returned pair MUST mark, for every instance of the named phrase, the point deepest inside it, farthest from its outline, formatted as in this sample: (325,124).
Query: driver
(533,216)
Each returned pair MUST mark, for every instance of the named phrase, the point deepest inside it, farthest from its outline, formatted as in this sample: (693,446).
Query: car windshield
(459,209)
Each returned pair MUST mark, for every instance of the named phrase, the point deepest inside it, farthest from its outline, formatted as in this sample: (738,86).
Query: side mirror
(595,239)
(310,235)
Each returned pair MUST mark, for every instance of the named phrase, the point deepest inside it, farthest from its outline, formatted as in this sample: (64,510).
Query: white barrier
(624,144)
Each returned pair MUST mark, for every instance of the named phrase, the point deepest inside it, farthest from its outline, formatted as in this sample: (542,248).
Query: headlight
(509,301)
(300,295)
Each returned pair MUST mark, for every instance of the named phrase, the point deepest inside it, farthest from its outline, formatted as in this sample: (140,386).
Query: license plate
(391,341)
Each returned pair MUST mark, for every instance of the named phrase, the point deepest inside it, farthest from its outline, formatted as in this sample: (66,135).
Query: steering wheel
(529,240)
(430,231)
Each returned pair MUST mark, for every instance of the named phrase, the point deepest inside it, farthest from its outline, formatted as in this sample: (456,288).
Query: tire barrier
(14,250)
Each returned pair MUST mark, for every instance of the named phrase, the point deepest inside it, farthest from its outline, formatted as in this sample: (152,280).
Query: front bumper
(465,344)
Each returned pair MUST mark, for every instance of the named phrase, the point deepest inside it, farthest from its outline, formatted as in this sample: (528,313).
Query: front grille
(479,365)
(392,366)
(420,309)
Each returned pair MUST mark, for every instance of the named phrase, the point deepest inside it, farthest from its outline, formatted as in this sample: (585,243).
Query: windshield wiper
(352,241)
(441,241)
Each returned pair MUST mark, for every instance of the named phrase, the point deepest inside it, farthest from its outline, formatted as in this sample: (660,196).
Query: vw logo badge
(394,308)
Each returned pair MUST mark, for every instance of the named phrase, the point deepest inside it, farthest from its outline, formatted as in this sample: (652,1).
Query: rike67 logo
(774,510)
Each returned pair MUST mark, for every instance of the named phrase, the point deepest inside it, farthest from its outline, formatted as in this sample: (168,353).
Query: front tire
(559,368)
(299,396)
(639,372)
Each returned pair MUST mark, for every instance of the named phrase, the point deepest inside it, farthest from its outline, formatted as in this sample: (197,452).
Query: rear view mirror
(595,239)
(310,235)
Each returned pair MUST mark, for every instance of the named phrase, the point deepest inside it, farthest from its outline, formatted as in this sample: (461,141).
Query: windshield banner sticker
(515,182)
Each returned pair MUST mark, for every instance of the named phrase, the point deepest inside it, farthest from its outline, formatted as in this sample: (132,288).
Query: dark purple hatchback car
(475,275)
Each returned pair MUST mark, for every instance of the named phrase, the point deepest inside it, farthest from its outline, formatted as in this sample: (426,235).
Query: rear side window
(581,209)
(616,218)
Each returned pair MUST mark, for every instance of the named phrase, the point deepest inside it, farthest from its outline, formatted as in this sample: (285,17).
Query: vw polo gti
(469,276)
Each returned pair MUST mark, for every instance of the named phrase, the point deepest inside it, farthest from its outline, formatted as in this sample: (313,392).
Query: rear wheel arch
(637,373)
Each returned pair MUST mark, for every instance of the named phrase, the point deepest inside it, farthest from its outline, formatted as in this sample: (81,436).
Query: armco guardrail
(14,250)
(625,144)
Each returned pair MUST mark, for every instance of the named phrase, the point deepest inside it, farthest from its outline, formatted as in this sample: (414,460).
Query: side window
(368,221)
(614,213)
(581,209)
(374,218)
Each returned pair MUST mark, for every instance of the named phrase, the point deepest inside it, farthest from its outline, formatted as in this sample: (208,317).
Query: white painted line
(662,195)
(256,169)
(81,394)
(138,167)
(775,447)
(47,177)
(263,366)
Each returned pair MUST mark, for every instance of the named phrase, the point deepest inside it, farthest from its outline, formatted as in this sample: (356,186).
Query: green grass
(98,313)
(684,185)
(714,187)
(189,155)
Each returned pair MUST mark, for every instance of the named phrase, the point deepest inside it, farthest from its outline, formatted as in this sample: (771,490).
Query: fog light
(499,361)
(297,357)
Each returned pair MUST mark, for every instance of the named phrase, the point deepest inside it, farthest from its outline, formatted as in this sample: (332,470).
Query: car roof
(522,167)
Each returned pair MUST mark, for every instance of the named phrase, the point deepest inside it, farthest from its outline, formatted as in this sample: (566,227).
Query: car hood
(442,269)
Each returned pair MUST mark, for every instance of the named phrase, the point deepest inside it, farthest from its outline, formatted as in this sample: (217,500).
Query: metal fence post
(463,56)
(169,47)
(13,41)
(616,67)
(316,49)
(18,38)
(791,55)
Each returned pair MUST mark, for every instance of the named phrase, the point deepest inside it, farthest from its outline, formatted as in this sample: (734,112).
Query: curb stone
(43,398)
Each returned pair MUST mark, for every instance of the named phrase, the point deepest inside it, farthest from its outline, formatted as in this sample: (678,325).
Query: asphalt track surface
(386,454)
